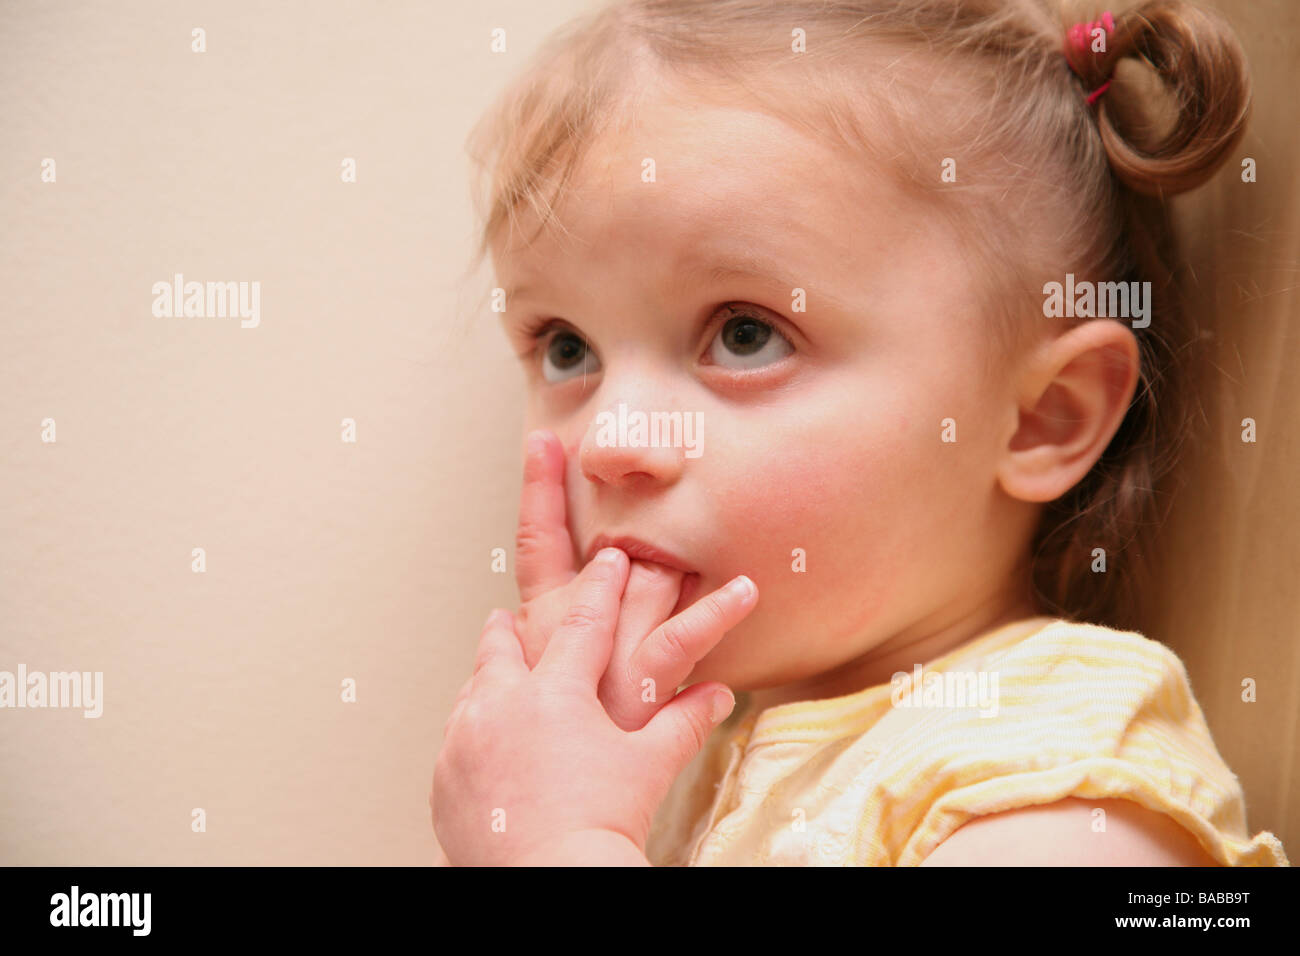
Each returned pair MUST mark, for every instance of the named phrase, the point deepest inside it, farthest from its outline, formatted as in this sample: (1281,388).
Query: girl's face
(822,472)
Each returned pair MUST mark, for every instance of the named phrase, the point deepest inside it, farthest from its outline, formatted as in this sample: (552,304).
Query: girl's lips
(638,550)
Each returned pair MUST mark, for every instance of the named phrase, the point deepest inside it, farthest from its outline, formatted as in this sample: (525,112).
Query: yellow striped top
(1029,713)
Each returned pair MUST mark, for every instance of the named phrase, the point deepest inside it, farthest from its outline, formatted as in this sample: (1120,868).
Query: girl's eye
(567,356)
(745,341)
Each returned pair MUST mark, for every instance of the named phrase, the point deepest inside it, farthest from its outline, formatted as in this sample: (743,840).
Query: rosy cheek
(836,487)
(788,501)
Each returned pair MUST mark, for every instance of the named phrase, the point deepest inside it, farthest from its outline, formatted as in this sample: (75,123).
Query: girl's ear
(1072,395)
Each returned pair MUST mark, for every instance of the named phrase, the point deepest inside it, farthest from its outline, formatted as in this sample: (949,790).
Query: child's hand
(651,656)
(531,760)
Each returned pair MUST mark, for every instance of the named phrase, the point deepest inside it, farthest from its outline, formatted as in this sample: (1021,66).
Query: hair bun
(1197,60)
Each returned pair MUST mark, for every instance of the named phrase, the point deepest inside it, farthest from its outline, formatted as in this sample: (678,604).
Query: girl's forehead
(708,176)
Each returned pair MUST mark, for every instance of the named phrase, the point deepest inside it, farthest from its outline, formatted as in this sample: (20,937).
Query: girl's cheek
(820,505)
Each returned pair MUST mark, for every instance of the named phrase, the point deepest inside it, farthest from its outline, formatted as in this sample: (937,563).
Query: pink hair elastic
(1079,36)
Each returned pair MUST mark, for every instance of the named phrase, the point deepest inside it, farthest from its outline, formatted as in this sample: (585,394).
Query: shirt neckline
(789,721)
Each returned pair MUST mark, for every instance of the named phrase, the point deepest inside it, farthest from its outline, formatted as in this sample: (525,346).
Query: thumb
(678,732)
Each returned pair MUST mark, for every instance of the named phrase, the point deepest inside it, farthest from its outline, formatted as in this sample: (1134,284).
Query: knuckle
(467,718)
(529,537)
(580,616)
(711,612)
(674,637)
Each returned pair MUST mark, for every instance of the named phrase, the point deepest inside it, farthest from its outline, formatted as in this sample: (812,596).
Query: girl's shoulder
(1075,711)
(1090,645)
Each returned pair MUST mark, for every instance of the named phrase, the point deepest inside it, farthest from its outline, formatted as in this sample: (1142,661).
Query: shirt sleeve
(1082,711)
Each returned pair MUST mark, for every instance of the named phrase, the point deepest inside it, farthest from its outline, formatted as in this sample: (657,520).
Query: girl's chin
(723,664)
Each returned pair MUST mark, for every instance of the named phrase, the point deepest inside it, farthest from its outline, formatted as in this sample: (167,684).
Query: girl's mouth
(639,550)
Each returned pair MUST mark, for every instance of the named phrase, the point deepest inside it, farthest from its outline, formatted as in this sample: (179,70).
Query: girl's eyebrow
(700,266)
(691,270)
(720,272)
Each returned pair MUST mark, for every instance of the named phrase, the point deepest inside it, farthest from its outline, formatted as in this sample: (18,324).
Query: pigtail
(1152,155)
(1200,65)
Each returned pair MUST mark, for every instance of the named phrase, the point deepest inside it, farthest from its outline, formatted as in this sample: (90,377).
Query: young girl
(907,267)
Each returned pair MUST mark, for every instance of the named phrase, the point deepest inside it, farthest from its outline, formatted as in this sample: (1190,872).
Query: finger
(499,653)
(581,645)
(677,732)
(669,653)
(543,548)
(651,593)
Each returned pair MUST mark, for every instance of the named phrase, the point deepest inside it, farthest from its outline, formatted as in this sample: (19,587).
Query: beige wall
(325,560)
(369,561)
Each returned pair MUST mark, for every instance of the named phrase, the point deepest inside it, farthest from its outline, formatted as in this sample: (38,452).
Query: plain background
(370,561)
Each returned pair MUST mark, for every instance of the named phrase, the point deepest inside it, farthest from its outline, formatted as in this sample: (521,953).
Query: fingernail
(742,587)
(723,703)
(609,555)
(498,618)
(536,443)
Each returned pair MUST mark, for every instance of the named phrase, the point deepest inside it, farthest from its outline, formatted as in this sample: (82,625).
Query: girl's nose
(629,447)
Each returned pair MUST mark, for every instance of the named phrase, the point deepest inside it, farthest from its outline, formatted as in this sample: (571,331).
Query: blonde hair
(1048,184)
